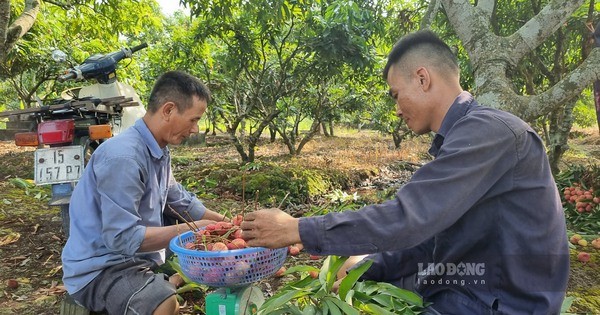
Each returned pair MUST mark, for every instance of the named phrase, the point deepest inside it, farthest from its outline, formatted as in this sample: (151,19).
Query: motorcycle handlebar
(139,47)
(99,66)
(69,76)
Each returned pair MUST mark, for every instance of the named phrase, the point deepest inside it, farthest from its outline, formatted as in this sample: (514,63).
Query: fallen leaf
(56,290)
(10,238)
(16,258)
(54,270)
(41,299)
(24,280)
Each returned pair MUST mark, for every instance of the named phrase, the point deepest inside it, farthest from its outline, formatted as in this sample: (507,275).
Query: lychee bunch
(583,199)
(219,236)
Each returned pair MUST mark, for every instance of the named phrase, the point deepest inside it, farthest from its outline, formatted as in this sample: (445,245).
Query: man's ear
(167,109)
(424,78)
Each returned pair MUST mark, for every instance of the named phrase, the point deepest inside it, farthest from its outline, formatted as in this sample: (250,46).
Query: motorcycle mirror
(59,55)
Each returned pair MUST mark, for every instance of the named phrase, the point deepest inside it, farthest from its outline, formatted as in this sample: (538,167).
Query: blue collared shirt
(124,188)
(482,224)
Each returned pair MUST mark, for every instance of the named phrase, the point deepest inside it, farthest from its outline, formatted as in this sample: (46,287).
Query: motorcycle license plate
(58,164)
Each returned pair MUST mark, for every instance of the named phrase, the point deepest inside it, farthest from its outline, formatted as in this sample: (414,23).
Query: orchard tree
(496,52)
(340,38)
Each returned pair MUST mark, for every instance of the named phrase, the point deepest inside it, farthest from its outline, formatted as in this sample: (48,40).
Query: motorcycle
(67,130)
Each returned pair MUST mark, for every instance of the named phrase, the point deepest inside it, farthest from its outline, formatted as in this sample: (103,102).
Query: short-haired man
(117,230)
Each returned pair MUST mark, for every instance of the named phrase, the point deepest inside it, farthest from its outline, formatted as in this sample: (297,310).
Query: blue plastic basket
(231,268)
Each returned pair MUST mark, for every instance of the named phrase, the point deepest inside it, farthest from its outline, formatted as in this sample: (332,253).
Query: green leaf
(566,305)
(325,307)
(287,310)
(310,309)
(403,294)
(20,183)
(350,297)
(328,274)
(330,307)
(351,278)
(376,309)
(384,300)
(300,268)
(344,307)
(278,300)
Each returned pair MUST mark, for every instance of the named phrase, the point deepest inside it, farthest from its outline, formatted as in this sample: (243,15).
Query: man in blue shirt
(117,229)
(478,230)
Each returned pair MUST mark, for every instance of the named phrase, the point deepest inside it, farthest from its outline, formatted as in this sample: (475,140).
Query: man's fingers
(250,216)
(247,234)
(247,225)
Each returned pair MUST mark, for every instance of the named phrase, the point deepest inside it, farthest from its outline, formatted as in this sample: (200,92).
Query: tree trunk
(597,102)
(273,133)
(243,129)
(397,139)
(313,131)
(558,134)
(239,147)
(331,128)
(325,131)
(290,142)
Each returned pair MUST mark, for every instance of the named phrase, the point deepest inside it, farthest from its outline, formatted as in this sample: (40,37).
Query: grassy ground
(31,239)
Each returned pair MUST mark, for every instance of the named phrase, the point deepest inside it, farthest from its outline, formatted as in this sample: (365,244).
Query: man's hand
(271,228)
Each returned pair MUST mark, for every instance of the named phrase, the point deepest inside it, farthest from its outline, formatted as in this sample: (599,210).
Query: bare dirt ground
(31,238)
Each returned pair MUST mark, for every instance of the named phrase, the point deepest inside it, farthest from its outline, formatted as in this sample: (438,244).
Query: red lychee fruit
(219,246)
(12,284)
(293,250)
(237,243)
(280,272)
(583,257)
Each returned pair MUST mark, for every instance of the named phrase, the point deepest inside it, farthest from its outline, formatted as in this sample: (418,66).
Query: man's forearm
(212,215)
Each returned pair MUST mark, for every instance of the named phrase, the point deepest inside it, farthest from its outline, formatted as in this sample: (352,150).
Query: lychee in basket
(229,268)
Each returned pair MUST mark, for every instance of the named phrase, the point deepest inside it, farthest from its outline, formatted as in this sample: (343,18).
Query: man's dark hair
(178,87)
(435,47)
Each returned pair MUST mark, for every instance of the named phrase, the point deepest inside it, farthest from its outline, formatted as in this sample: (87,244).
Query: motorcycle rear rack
(86,104)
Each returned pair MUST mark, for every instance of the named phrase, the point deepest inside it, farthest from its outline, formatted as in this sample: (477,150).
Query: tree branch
(567,88)
(20,26)
(487,7)
(468,21)
(4,20)
(429,17)
(540,27)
